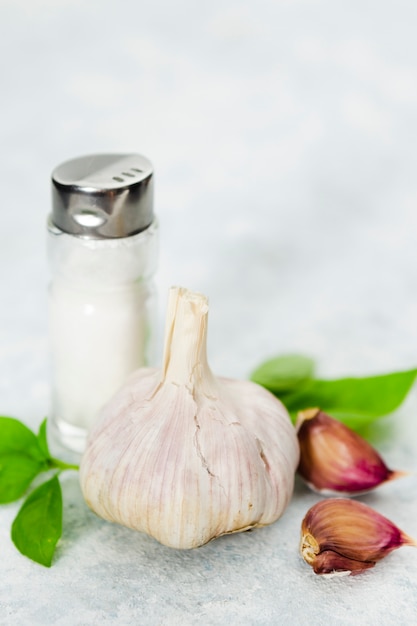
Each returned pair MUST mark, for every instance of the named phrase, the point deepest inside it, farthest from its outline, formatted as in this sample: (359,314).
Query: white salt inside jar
(102,301)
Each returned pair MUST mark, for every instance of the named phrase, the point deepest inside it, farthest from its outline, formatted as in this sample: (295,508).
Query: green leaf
(284,374)
(38,525)
(17,471)
(16,437)
(43,444)
(42,439)
(354,401)
(21,459)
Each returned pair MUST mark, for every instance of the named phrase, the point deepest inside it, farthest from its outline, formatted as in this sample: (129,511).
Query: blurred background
(283,137)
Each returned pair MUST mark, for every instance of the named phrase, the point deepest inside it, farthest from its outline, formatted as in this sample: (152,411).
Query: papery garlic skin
(184,456)
(341,536)
(334,460)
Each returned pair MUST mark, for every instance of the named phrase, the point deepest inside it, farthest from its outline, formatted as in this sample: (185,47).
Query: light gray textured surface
(283,135)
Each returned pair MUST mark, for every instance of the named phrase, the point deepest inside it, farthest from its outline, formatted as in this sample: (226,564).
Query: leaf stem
(61,465)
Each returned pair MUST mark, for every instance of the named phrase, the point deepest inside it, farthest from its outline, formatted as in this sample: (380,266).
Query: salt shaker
(102,248)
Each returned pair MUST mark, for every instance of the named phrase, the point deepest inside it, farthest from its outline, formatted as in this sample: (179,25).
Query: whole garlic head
(184,456)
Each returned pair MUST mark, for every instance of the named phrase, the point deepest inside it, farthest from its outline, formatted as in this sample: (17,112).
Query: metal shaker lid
(103,196)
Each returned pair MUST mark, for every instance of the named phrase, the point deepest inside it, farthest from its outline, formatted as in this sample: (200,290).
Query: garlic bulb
(185,456)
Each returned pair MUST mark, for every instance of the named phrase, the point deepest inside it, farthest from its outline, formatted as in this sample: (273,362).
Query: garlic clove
(330,563)
(185,456)
(336,460)
(341,536)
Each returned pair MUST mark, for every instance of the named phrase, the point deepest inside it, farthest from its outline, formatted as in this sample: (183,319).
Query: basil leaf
(17,470)
(16,437)
(285,373)
(21,459)
(51,461)
(38,525)
(42,439)
(354,401)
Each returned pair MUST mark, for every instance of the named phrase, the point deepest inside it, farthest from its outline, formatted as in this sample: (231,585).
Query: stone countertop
(283,137)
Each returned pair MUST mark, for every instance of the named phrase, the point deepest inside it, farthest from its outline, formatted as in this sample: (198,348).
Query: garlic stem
(185,355)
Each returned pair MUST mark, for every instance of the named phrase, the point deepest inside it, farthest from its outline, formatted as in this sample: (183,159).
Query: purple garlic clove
(341,536)
(336,460)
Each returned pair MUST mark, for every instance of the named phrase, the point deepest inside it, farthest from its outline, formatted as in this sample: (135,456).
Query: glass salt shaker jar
(102,248)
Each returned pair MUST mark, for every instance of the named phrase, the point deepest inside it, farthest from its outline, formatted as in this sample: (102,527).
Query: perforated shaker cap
(103,196)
